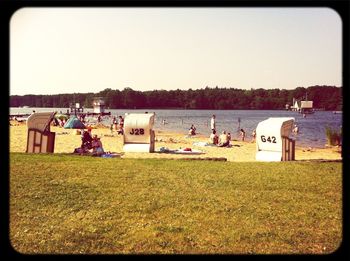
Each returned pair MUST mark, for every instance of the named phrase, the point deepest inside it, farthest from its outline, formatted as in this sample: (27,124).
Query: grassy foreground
(77,204)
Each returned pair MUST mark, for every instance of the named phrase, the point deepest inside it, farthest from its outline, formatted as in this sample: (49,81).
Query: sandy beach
(67,140)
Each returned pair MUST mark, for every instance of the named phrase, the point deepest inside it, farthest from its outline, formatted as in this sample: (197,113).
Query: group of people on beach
(221,141)
(118,125)
(225,137)
(90,144)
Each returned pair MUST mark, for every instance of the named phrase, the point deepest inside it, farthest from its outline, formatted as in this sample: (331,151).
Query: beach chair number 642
(269,139)
(137,131)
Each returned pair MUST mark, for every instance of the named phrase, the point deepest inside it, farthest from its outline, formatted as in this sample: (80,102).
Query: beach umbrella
(74,123)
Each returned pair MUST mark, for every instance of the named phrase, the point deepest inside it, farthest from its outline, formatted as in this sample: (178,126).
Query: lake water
(311,129)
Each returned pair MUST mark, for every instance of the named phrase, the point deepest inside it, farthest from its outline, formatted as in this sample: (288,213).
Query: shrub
(334,136)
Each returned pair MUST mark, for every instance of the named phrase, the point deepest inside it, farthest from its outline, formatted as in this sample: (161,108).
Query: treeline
(323,97)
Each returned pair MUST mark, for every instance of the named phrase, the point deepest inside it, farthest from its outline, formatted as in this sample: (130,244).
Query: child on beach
(192,130)
(214,138)
(97,148)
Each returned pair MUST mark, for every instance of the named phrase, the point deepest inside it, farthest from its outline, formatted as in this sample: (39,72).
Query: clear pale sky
(71,50)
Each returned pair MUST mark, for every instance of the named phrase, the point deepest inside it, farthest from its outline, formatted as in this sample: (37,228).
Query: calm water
(311,129)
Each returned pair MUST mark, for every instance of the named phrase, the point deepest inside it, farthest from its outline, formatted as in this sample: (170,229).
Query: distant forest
(323,97)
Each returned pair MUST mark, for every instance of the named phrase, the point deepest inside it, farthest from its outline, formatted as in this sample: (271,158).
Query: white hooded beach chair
(139,135)
(272,140)
(40,139)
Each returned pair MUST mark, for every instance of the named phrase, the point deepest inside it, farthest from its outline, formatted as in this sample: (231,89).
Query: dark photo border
(9,7)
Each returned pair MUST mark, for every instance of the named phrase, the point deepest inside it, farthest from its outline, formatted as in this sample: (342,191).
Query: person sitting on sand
(86,140)
(242,134)
(97,148)
(55,122)
(214,138)
(229,138)
(192,130)
(223,140)
(63,121)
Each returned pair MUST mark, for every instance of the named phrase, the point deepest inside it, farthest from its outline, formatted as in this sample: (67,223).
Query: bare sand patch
(67,140)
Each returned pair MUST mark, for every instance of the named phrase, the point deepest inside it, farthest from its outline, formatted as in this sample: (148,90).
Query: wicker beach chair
(40,139)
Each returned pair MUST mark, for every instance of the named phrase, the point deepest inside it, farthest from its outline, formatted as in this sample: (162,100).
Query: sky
(80,50)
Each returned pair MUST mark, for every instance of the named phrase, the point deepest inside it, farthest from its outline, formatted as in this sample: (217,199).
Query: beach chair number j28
(137,131)
(269,139)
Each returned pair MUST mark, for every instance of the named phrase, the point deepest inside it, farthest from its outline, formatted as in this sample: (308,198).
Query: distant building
(306,107)
(303,106)
(98,105)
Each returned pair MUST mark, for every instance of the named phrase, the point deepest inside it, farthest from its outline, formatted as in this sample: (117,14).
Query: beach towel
(165,150)
(200,144)
(111,155)
(203,144)
(187,151)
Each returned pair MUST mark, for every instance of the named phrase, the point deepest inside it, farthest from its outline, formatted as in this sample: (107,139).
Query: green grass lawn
(77,204)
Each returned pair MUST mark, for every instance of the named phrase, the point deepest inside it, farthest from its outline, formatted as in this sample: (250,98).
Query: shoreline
(66,140)
(312,133)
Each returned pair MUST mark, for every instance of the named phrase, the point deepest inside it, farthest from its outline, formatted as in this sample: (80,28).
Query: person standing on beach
(121,125)
(115,123)
(212,123)
(253,136)
(296,129)
(242,134)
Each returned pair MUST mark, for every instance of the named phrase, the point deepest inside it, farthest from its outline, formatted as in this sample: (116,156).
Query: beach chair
(139,135)
(272,140)
(40,139)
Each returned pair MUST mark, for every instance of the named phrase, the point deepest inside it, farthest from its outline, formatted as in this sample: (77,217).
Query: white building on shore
(98,105)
